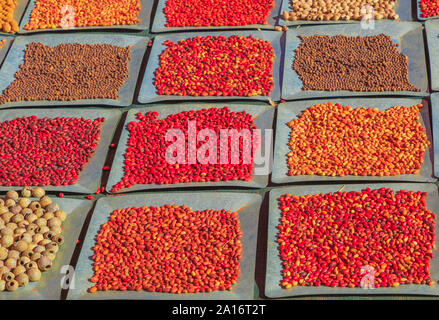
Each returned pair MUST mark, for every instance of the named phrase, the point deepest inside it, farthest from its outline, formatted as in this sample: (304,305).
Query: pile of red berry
(216,66)
(169,249)
(146,159)
(46,151)
(330,239)
(207,13)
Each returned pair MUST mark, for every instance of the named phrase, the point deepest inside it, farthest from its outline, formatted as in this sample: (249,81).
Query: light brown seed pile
(371,63)
(69,72)
(7,22)
(30,236)
(326,10)
(336,140)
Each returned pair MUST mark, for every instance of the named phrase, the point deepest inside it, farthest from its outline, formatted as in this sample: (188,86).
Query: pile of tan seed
(335,10)
(30,236)
(371,63)
(69,72)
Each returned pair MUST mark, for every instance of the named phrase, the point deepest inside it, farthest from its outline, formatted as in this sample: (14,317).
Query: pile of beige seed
(335,10)
(30,236)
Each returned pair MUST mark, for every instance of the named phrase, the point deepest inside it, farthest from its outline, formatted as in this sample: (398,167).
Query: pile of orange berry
(52,14)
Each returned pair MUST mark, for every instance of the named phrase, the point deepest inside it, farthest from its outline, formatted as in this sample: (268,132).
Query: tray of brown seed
(77,70)
(72,148)
(331,143)
(41,278)
(346,60)
(247,205)
(329,221)
(297,12)
(432,31)
(5,44)
(143,15)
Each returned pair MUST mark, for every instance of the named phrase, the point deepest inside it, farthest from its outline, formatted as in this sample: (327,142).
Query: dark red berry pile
(216,66)
(145,157)
(207,13)
(46,151)
(326,239)
(171,249)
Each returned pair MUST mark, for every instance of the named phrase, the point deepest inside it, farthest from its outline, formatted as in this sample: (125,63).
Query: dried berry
(336,140)
(216,66)
(326,239)
(145,157)
(208,13)
(53,151)
(169,249)
(69,72)
(52,14)
(365,64)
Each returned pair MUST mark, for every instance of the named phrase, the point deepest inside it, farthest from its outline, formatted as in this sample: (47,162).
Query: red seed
(216,66)
(326,239)
(430,8)
(169,249)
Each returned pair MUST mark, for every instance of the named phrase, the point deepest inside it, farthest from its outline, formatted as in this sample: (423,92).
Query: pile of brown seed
(371,63)
(30,236)
(325,10)
(69,72)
